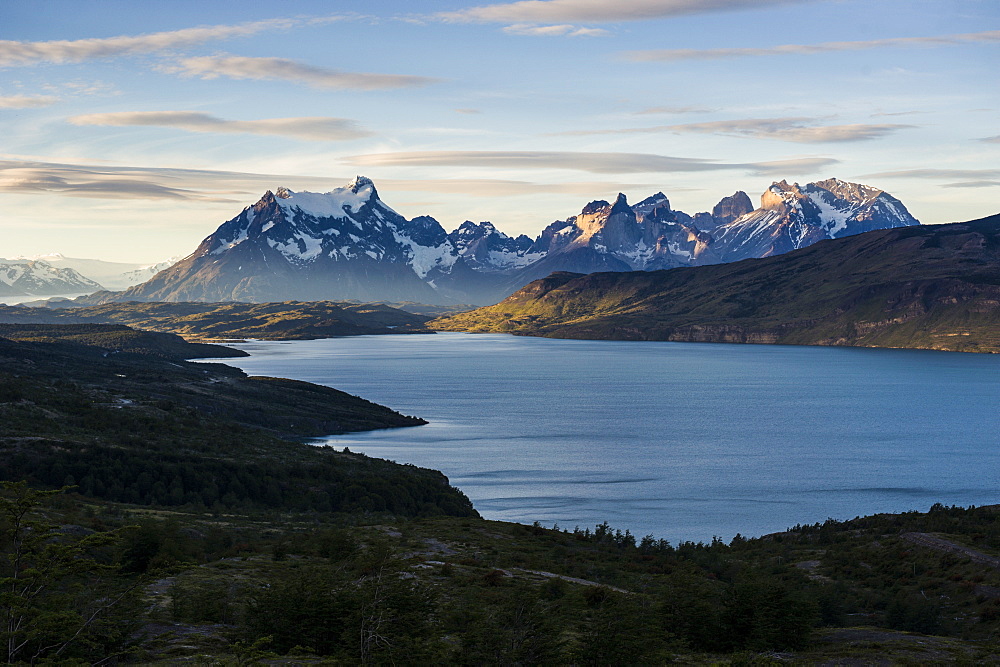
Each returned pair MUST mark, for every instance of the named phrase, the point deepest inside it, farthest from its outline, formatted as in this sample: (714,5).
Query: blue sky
(132,130)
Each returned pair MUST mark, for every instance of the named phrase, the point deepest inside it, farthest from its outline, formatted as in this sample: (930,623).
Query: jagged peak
(594,207)
(783,186)
(655,200)
(485,228)
(280,193)
(425,221)
(847,189)
(621,205)
(360,182)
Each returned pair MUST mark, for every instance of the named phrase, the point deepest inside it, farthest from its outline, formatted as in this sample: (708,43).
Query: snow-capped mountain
(348,244)
(140,275)
(112,275)
(342,244)
(486,248)
(793,216)
(23,277)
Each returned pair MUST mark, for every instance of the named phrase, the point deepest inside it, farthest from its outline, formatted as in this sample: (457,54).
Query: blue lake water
(682,440)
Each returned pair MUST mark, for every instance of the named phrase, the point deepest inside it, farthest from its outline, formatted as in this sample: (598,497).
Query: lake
(684,441)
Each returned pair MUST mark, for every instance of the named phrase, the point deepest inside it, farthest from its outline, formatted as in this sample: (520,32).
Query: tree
(55,588)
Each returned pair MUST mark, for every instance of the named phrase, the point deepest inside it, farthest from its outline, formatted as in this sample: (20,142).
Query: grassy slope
(283,320)
(934,287)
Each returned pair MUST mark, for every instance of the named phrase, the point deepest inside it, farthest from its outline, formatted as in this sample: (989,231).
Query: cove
(684,441)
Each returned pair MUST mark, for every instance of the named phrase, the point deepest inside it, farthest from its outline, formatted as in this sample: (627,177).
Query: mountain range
(928,286)
(54,273)
(348,244)
(23,277)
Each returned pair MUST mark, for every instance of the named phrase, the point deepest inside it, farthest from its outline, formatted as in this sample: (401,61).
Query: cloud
(671,55)
(308,128)
(671,110)
(16,54)
(794,166)
(468,111)
(125,182)
(262,69)
(798,130)
(972,184)
(563,11)
(896,113)
(991,140)
(974,174)
(491,187)
(28,177)
(26,101)
(565,29)
(598,163)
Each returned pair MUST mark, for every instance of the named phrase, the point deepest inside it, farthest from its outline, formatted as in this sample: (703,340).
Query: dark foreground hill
(141,425)
(173,586)
(935,287)
(290,320)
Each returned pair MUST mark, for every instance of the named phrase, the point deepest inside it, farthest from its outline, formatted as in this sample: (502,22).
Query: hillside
(292,320)
(139,424)
(314,588)
(934,287)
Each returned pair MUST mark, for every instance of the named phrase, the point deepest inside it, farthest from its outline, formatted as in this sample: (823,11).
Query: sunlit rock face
(792,216)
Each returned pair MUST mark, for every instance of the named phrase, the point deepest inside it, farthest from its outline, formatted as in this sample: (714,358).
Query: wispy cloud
(15,54)
(655,111)
(972,184)
(599,163)
(262,69)
(564,29)
(491,187)
(798,130)
(468,111)
(309,128)
(26,101)
(570,11)
(125,182)
(670,55)
(29,177)
(974,174)
(991,140)
(896,113)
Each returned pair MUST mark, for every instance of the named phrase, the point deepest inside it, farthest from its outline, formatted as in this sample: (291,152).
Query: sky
(130,131)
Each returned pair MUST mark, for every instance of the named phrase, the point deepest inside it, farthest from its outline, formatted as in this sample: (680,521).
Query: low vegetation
(290,320)
(253,586)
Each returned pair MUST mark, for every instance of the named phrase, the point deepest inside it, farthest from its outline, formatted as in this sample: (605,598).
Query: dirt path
(941,544)
(572,580)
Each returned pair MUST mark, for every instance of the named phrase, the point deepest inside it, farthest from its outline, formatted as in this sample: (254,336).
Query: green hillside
(146,427)
(934,287)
